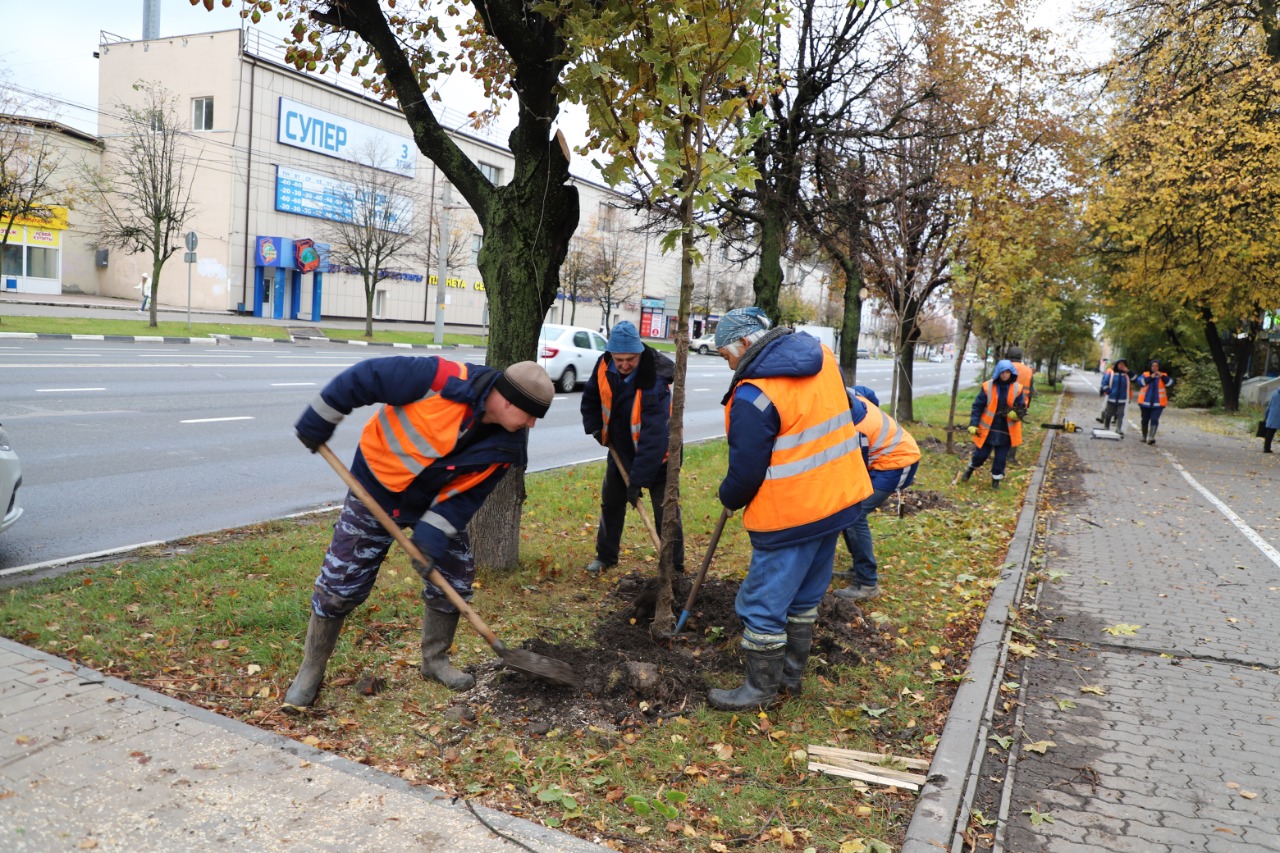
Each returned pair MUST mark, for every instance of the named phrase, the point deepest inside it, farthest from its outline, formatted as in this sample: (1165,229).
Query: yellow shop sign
(48,217)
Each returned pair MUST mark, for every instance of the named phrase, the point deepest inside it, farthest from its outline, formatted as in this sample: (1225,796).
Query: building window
(41,262)
(492,173)
(202,114)
(12,259)
(607,216)
(476,242)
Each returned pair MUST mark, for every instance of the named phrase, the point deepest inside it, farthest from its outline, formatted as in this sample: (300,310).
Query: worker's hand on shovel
(634,493)
(423,569)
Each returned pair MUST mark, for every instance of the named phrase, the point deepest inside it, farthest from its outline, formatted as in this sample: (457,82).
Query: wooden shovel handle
(725,512)
(644,513)
(406,543)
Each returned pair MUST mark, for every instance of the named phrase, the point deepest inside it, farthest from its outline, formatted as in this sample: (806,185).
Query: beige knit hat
(527,386)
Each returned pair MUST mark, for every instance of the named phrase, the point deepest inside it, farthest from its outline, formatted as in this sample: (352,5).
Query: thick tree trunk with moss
(767,282)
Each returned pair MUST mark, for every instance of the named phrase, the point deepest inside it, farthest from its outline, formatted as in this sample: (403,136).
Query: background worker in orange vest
(892,457)
(995,422)
(443,438)
(795,464)
(1153,395)
(1027,379)
(626,405)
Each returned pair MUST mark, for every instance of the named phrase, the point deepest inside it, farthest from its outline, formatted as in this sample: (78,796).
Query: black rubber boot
(437,636)
(1152,439)
(966,474)
(796,655)
(1144,435)
(322,636)
(764,674)
(995,482)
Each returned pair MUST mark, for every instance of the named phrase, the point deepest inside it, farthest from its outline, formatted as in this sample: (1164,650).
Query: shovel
(702,570)
(644,513)
(530,663)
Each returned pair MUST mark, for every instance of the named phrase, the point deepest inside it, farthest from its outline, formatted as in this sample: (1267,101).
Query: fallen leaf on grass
(220,644)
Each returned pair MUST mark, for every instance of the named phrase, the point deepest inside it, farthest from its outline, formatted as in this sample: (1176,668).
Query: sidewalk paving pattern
(1180,752)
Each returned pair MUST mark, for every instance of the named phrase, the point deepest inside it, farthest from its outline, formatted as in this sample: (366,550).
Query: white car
(935,359)
(569,353)
(10,480)
(706,345)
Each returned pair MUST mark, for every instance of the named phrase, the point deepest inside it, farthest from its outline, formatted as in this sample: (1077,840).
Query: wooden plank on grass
(876,758)
(868,763)
(862,776)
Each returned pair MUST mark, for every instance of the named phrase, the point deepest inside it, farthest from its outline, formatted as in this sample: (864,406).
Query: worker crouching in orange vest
(995,422)
(796,466)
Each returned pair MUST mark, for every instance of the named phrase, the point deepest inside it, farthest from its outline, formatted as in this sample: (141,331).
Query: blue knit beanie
(624,339)
(740,323)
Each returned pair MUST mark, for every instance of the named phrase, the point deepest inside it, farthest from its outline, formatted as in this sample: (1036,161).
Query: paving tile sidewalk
(91,762)
(1181,751)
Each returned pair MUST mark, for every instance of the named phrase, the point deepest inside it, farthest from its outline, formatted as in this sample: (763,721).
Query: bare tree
(614,274)
(575,275)
(372,226)
(28,161)
(143,196)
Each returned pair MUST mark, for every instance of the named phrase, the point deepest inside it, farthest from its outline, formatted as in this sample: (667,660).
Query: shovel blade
(540,666)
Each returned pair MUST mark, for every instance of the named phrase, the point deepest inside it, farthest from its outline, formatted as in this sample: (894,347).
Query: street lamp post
(442,266)
(563,298)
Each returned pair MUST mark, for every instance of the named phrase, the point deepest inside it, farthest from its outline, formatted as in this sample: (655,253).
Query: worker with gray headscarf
(796,465)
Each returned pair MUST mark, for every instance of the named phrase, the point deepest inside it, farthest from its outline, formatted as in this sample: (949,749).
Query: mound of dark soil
(629,679)
(916,500)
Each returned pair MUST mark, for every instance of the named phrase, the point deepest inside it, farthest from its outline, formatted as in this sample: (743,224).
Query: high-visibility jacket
(815,468)
(1117,386)
(400,442)
(606,401)
(1026,378)
(1160,382)
(632,413)
(889,446)
(988,416)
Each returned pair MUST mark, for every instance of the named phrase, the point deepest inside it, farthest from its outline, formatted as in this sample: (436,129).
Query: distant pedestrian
(995,422)
(1153,396)
(145,287)
(1117,388)
(1272,422)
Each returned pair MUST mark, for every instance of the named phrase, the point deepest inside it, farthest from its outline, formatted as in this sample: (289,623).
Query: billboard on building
(324,197)
(333,135)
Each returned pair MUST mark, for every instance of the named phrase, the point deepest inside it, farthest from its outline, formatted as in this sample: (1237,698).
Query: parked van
(826,334)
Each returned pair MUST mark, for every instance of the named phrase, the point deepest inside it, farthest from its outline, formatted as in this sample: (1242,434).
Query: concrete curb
(519,829)
(213,339)
(942,811)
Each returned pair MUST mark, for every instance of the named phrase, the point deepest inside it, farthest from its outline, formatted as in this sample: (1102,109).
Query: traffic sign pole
(190,257)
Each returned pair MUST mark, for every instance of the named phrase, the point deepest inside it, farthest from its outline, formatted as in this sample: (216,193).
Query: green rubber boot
(437,636)
(764,674)
(322,636)
(796,655)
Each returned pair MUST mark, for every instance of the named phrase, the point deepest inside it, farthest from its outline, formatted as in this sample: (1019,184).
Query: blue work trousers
(360,543)
(857,536)
(783,582)
(980,455)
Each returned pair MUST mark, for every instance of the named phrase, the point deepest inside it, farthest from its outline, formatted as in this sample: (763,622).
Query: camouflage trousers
(360,543)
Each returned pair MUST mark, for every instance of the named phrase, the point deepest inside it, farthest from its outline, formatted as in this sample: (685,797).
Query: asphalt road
(130,443)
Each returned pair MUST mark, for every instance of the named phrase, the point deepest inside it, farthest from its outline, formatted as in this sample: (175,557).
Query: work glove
(423,569)
(973,430)
(1013,416)
(1102,392)
(313,430)
(309,441)
(633,494)
(599,436)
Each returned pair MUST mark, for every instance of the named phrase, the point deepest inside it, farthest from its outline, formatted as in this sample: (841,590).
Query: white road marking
(65,390)
(1265,547)
(290,384)
(216,420)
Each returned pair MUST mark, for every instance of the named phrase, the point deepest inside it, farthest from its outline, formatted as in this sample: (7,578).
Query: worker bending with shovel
(795,464)
(626,406)
(445,435)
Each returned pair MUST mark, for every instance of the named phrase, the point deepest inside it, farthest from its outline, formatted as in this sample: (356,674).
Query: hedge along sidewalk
(942,811)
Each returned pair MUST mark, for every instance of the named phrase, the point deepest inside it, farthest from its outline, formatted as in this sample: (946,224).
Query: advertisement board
(323,197)
(312,129)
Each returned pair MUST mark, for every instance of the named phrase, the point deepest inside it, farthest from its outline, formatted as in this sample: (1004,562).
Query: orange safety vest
(400,442)
(1162,396)
(606,402)
(989,414)
(816,468)
(889,446)
(1024,377)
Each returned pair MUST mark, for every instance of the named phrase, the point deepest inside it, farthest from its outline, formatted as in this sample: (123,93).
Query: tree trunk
(491,528)
(851,325)
(767,283)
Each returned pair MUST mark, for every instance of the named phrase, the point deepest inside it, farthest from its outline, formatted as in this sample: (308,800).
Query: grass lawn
(219,621)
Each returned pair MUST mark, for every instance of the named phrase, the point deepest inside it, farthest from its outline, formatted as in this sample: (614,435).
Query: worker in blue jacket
(444,436)
(995,422)
(1116,389)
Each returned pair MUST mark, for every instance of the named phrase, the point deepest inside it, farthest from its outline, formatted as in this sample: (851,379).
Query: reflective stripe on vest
(1111,388)
(400,442)
(606,402)
(1162,397)
(889,446)
(815,469)
(989,414)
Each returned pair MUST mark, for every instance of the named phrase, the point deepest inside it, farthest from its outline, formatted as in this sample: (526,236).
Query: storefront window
(41,262)
(13,260)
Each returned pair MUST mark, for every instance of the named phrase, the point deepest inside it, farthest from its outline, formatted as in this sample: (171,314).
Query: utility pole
(442,266)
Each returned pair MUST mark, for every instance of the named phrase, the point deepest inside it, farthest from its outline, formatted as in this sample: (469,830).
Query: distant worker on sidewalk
(626,406)
(145,287)
(795,464)
(892,457)
(1272,421)
(1027,379)
(446,434)
(1153,395)
(1117,388)
(995,422)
